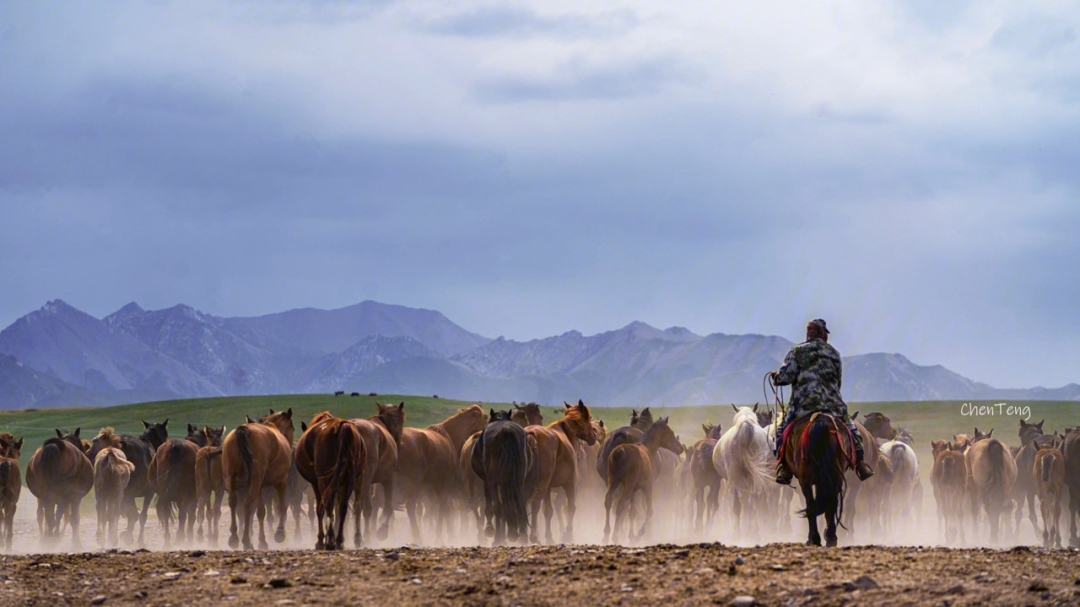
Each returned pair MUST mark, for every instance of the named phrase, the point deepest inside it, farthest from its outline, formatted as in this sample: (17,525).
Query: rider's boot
(862,469)
(783,475)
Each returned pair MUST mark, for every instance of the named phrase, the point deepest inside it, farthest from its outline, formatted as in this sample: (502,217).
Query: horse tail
(617,463)
(995,482)
(899,461)
(1046,465)
(243,444)
(827,465)
(50,458)
(172,461)
(511,461)
(5,473)
(343,475)
(748,464)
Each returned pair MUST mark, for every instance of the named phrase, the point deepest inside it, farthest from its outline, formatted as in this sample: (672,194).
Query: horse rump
(830,485)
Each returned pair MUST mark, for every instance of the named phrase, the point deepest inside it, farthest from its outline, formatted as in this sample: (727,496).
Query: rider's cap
(819,323)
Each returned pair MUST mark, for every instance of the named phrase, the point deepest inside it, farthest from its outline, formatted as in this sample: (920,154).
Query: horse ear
(145,425)
(734,408)
(191,429)
(288,414)
(223,431)
(990,433)
(567,405)
(248,419)
(59,434)
(271,411)
(165,423)
(1040,424)
(77,430)
(854,415)
(755,407)
(601,423)
(580,403)
(401,407)
(303,426)
(19,444)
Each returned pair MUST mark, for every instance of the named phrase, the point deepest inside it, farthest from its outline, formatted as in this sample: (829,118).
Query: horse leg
(102,518)
(260,511)
(283,512)
(608,499)
(320,514)
(571,510)
(234,506)
(490,499)
(625,502)
(388,509)
(549,510)
(814,538)
(73,506)
(648,511)
(414,523)
(830,528)
(737,508)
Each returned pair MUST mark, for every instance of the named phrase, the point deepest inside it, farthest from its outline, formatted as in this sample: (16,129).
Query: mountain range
(59,355)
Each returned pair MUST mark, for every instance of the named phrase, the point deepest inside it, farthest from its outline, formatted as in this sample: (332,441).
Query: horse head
(283,422)
(392,417)
(155,434)
(982,435)
(9,447)
(196,435)
(661,434)
(213,436)
(498,416)
(579,420)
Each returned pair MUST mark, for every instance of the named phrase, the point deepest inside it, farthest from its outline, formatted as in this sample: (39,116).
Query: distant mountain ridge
(59,355)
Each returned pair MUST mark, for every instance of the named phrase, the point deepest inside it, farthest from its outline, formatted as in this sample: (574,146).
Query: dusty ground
(778,574)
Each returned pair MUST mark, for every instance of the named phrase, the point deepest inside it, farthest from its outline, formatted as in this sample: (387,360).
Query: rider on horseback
(813,369)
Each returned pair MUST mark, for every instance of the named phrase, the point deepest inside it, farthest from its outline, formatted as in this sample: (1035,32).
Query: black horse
(501,459)
(627,435)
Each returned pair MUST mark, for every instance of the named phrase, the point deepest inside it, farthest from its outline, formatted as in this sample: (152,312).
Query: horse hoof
(279,536)
(263,545)
(382,533)
(490,531)
(234,543)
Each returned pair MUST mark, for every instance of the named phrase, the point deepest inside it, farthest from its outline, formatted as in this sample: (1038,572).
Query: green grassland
(927,420)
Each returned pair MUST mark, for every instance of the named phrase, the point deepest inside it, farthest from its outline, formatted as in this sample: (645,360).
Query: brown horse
(10,485)
(112,472)
(471,481)
(382,436)
(209,485)
(879,426)
(949,477)
(1049,473)
(331,456)
(1071,450)
(706,480)
(634,467)
(172,478)
(60,475)
(257,455)
(818,449)
(427,466)
(527,415)
(991,474)
(1024,489)
(556,463)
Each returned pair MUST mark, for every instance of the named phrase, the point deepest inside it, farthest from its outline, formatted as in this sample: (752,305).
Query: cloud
(576,82)
(522,22)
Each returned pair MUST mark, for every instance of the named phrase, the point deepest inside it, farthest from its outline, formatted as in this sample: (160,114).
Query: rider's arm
(787,373)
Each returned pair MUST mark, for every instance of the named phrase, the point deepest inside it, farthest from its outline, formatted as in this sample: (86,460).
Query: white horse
(744,459)
(905,469)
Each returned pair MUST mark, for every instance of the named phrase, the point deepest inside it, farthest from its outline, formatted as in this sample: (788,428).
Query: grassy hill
(927,420)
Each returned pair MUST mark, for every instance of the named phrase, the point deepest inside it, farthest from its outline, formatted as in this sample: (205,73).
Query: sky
(907,170)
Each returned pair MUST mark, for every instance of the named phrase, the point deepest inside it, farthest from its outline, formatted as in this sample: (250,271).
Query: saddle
(846,440)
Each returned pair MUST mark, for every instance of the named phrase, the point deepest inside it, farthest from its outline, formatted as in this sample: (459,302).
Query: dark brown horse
(501,459)
(331,455)
(1024,489)
(209,485)
(622,436)
(172,478)
(427,466)
(138,450)
(527,415)
(1049,472)
(60,475)
(257,455)
(818,449)
(634,467)
(10,485)
(1071,452)
(382,436)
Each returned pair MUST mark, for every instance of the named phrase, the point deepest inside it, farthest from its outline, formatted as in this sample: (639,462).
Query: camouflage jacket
(812,368)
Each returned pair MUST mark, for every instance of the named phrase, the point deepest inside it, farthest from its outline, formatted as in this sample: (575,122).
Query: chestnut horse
(60,475)
(382,435)
(172,478)
(427,466)
(991,474)
(818,448)
(634,467)
(257,455)
(1049,473)
(10,485)
(112,472)
(706,480)
(209,485)
(331,456)
(556,465)
(949,476)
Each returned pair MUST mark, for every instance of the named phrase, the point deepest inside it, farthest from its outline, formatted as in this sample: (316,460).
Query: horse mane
(320,417)
(109,435)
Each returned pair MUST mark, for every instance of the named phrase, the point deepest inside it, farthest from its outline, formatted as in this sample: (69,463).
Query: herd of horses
(494,472)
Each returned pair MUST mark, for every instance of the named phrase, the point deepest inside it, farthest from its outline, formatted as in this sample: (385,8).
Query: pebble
(279,583)
(739,560)
(744,601)
(172,575)
(417,581)
(98,600)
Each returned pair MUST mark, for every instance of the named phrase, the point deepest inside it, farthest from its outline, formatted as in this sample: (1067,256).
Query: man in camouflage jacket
(812,368)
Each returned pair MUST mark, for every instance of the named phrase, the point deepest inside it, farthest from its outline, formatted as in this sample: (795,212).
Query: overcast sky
(909,172)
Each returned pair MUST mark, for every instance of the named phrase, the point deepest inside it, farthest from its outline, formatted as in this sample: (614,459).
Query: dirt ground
(704,574)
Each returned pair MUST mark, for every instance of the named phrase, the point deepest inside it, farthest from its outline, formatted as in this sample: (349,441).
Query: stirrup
(863,471)
(783,475)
